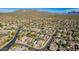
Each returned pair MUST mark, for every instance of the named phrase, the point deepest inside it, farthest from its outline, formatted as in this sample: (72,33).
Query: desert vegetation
(38,27)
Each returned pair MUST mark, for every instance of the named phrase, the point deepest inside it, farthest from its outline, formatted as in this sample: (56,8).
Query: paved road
(6,47)
(42,48)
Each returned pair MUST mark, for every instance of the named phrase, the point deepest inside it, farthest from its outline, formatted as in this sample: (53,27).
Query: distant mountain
(32,13)
(73,12)
(26,14)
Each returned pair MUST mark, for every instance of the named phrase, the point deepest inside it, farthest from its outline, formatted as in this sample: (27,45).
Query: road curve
(6,47)
(39,49)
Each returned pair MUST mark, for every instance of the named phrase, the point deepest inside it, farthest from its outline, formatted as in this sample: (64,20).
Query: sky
(52,10)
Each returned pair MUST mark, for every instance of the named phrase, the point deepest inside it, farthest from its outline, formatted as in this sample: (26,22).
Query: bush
(1,25)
